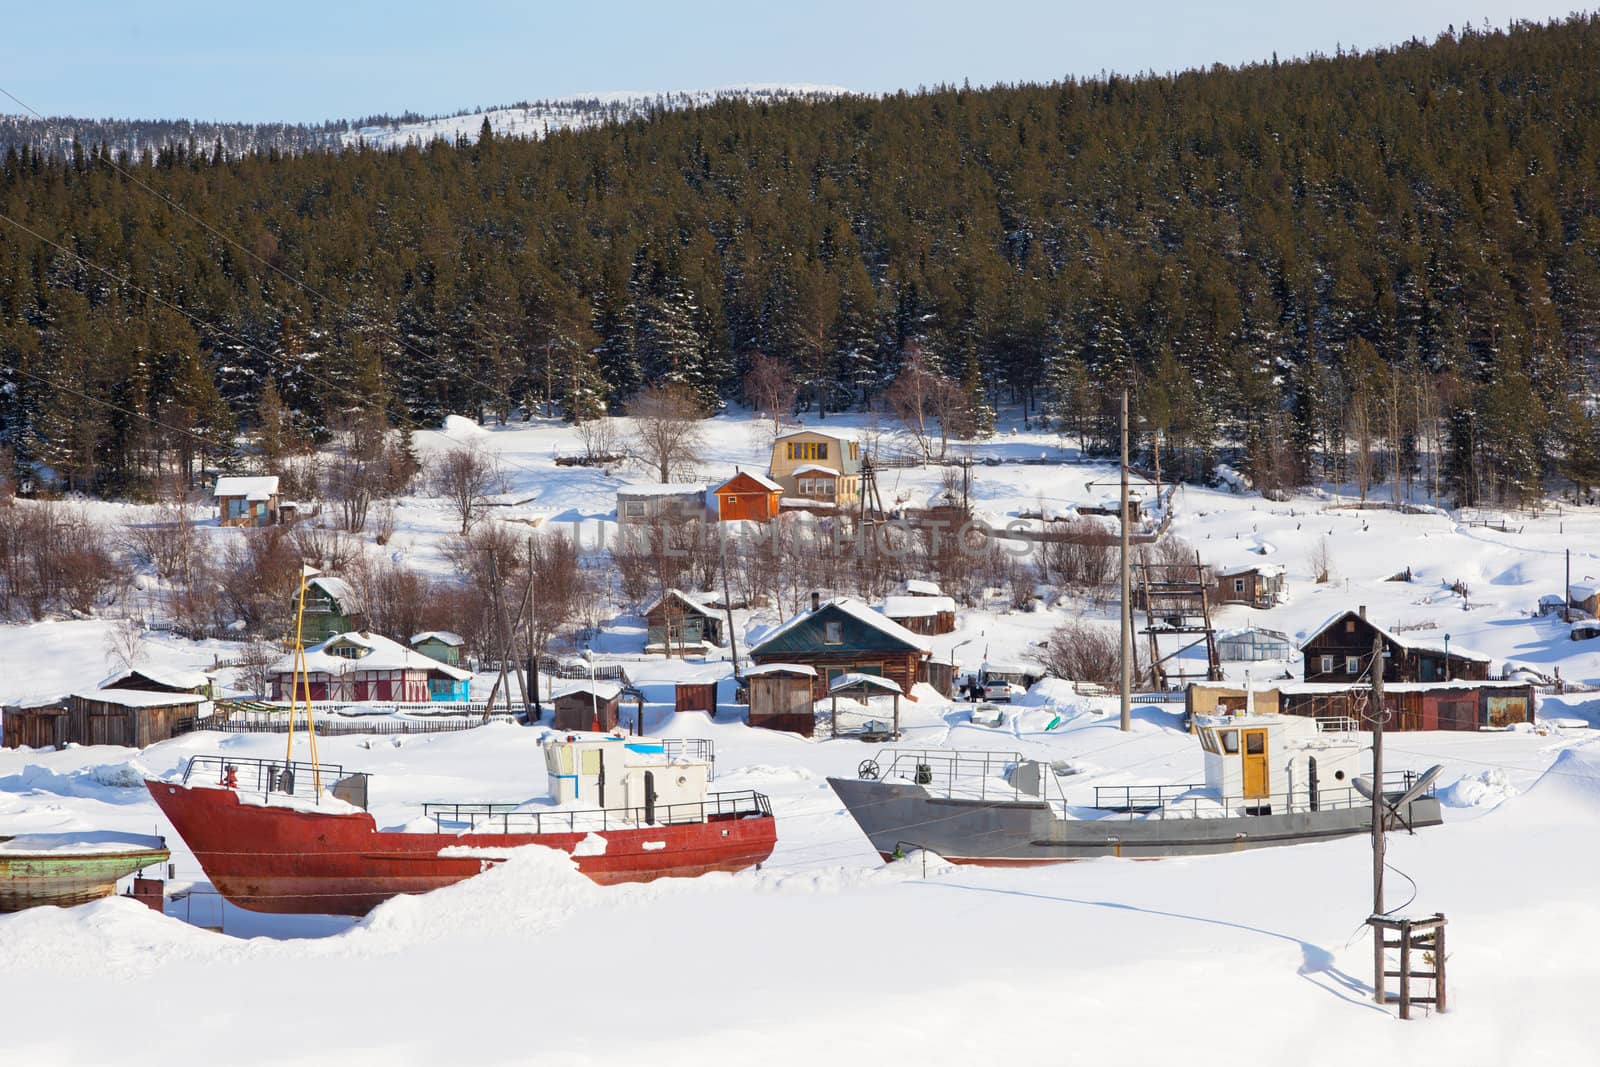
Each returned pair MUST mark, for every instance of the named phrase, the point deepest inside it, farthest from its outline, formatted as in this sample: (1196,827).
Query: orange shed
(748,496)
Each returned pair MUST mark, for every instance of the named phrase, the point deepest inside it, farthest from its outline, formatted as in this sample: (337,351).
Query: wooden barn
(134,718)
(782,697)
(680,625)
(695,696)
(160,680)
(1257,584)
(1340,650)
(586,705)
(845,636)
(749,498)
(441,645)
(34,725)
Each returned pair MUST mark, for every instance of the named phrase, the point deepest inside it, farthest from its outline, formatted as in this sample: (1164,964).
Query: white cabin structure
(1276,761)
(620,773)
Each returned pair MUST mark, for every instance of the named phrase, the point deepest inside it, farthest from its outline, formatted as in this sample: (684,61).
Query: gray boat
(1270,780)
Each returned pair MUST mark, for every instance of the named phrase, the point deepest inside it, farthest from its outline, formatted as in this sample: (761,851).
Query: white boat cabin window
(1352,664)
(591,761)
(1208,741)
(1255,742)
(558,759)
(1230,741)
(1327,664)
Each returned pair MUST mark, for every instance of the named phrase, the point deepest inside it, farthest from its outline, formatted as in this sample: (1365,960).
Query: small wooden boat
(71,868)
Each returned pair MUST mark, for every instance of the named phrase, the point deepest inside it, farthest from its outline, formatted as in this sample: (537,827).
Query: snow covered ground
(827,952)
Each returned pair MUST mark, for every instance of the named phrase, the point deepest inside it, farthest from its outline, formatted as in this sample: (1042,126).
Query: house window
(833,633)
(824,486)
(788,450)
(1238,585)
(822,451)
(855,450)
(1352,665)
(1349,626)
(633,509)
(1327,664)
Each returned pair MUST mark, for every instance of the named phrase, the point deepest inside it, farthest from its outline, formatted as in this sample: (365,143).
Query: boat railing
(1194,801)
(246,774)
(968,774)
(451,817)
(1337,724)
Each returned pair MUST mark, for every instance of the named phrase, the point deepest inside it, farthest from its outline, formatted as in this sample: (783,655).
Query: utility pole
(727,604)
(533,662)
(1566,616)
(1378,818)
(1127,614)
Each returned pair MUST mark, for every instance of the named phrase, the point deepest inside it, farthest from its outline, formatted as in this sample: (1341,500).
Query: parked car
(1001,691)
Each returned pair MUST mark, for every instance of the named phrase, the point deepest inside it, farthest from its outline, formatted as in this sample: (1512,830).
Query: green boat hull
(28,880)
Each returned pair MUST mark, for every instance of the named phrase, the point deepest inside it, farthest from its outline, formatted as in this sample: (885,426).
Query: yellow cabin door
(1255,764)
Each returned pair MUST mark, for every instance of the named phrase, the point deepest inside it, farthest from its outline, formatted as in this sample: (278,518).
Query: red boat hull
(288,860)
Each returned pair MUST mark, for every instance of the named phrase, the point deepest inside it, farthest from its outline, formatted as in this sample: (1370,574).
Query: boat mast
(1127,614)
(302,677)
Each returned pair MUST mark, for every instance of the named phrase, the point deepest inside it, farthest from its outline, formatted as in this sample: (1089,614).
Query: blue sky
(300,61)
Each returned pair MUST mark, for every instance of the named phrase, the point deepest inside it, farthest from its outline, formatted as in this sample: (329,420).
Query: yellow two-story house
(820,467)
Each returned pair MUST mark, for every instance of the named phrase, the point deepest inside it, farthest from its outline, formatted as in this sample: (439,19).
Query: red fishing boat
(626,810)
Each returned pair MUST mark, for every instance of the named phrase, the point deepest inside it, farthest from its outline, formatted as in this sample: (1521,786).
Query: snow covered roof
(667,489)
(804,502)
(862,614)
(444,637)
(1420,644)
(381,654)
(816,433)
(922,587)
(760,479)
(781,668)
(140,698)
(1582,590)
(584,687)
(917,607)
(1253,631)
(256,487)
(171,677)
(690,602)
(865,681)
(816,468)
(991,666)
(1266,570)
(338,589)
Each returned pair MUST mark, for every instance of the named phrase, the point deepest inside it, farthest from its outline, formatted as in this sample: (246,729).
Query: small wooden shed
(695,696)
(748,497)
(135,718)
(34,726)
(586,705)
(781,697)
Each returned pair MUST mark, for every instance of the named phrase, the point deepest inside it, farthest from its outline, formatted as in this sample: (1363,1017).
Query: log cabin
(845,636)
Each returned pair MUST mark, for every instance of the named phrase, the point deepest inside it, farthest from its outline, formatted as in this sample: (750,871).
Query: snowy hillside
(541,118)
(826,948)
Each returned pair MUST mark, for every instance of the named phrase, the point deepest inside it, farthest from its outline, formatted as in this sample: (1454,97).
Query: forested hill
(1329,264)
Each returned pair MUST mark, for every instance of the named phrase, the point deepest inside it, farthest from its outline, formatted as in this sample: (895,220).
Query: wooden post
(834,725)
(1405,970)
(1377,816)
(1127,614)
(1438,965)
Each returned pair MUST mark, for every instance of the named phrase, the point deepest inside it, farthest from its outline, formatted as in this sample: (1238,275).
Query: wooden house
(359,667)
(441,645)
(680,625)
(816,468)
(1253,645)
(134,718)
(656,505)
(695,696)
(1456,705)
(782,697)
(34,725)
(584,704)
(748,497)
(1340,650)
(845,636)
(332,607)
(1584,597)
(926,615)
(1257,584)
(247,501)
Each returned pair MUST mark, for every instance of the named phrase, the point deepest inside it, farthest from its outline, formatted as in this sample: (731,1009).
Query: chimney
(816,600)
(1362,610)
